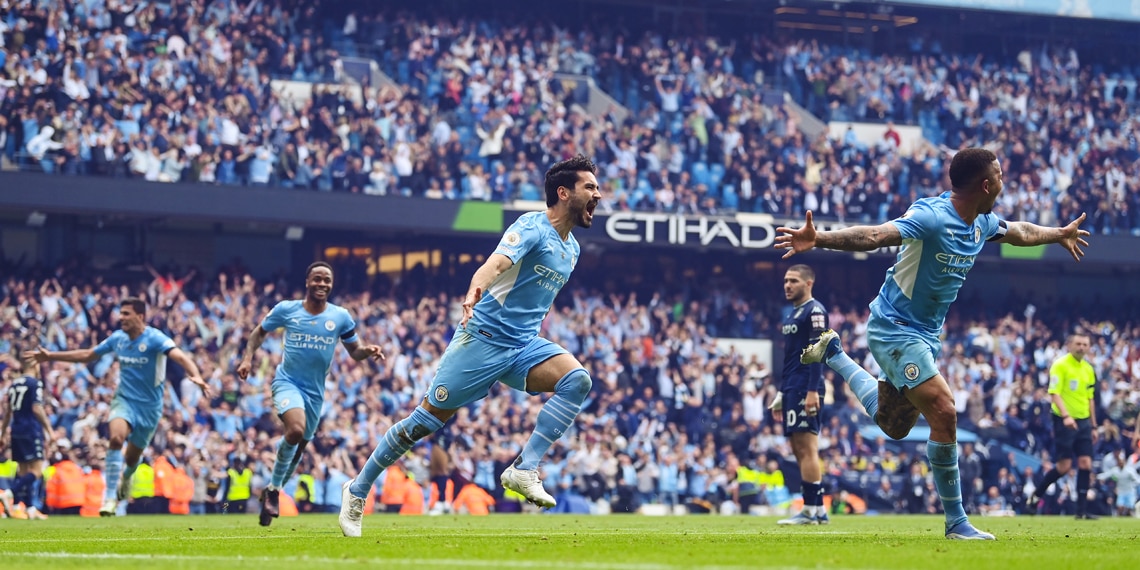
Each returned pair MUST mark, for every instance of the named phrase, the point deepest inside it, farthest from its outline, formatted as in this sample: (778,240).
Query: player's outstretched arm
(83,356)
(484,276)
(859,238)
(360,352)
(192,372)
(256,337)
(1070,237)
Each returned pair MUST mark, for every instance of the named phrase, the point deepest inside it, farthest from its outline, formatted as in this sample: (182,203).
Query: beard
(582,217)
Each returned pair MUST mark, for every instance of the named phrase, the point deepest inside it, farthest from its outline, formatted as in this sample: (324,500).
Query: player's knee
(575,385)
(897,425)
(895,432)
(941,415)
(115,441)
(294,434)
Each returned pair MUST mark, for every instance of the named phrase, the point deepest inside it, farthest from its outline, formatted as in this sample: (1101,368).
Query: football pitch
(570,542)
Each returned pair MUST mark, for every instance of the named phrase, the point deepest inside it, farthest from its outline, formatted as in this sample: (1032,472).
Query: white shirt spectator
(441,133)
(403,159)
(231,134)
(177,46)
(753,403)
(377,180)
(477,188)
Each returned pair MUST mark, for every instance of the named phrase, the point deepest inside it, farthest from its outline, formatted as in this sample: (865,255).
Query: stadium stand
(659,376)
(195,95)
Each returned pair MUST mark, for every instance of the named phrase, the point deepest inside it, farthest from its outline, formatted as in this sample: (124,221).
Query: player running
(142,352)
(313,327)
(941,238)
(497,341)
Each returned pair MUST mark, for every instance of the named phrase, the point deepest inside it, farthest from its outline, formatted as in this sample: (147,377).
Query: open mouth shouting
(588,213)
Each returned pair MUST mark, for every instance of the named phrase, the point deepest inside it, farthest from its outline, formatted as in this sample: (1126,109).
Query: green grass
(564,541)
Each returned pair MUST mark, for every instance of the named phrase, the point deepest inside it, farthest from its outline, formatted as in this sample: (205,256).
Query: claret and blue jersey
(939,249)
(511,310)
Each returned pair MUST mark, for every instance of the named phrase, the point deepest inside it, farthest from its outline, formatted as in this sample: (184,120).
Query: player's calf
(896,415)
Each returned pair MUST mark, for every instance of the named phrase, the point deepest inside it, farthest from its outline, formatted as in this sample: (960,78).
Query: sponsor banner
(745,232)
(757,232)
(270,205)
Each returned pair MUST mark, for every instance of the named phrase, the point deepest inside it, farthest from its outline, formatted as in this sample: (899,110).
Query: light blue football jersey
(939,248)
(309,341)
(513,306)
(142,365)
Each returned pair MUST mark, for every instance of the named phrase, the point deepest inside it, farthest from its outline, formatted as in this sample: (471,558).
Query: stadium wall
(112,221)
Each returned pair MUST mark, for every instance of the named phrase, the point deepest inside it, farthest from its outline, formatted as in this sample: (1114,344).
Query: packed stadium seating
(170,93)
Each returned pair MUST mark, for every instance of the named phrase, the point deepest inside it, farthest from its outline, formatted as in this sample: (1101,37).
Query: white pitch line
(452,563)
(387,533)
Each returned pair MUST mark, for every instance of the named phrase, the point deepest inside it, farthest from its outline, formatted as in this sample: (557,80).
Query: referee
(1071,382)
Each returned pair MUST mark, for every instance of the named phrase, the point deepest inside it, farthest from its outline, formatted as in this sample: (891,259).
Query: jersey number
(16,397)
(790,418)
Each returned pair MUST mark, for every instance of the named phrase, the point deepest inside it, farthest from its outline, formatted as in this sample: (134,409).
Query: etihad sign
(749,231)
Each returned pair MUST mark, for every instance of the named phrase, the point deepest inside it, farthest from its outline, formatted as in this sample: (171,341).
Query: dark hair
(565,173)
(969,166)
(135,303)
(315,265)
(804,271)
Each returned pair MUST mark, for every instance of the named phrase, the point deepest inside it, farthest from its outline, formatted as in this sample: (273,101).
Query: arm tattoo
(860,238)
(255,339)
(1025,233)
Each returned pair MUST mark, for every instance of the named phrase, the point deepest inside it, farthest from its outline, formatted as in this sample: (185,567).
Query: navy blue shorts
(25,449)
(796,419)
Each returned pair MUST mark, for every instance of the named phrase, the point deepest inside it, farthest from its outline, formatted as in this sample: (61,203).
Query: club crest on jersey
(441,394)
(329,326)
(142,347)
(977,235)
(910,371)
(512,238)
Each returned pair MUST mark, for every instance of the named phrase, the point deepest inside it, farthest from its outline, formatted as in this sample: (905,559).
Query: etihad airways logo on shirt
(309,341)
(310,338)
(548,273)
(955,263)
(134,360)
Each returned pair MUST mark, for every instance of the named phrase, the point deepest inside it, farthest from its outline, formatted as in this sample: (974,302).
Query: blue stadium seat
(465,134)
(528,191)
(729,199)
(716,169)
(700,172)
(716,174)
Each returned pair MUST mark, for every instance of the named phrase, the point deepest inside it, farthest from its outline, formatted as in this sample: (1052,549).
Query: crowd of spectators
(670,418)
(183,91)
